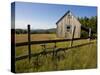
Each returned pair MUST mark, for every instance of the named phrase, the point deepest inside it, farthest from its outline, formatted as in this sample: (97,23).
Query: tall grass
(84,57)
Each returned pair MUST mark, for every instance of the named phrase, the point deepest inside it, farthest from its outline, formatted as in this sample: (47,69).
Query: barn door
(68,31)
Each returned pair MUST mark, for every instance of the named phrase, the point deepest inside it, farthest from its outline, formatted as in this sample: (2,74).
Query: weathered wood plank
(49,41)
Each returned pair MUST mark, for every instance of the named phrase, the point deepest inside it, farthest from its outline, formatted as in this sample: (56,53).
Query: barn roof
(63,16)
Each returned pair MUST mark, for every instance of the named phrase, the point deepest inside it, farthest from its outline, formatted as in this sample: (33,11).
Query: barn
(67,25)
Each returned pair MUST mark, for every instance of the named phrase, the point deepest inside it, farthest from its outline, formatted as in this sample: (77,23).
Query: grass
(34,37)
(84,57)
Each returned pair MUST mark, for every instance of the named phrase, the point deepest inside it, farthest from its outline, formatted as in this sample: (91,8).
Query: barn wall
(78,27)
(61,28)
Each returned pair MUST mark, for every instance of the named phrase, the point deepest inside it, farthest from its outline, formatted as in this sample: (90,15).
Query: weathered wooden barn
(68,24)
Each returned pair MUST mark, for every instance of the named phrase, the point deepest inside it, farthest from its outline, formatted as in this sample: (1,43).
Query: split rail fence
(55,50)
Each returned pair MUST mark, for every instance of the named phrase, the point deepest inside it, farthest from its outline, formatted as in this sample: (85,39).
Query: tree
(88,22)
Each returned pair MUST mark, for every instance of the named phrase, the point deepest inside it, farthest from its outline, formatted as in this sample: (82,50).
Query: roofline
(62,17)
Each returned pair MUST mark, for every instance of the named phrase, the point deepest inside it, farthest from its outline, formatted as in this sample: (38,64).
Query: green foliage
(20,31)
(88,22)
(37,31)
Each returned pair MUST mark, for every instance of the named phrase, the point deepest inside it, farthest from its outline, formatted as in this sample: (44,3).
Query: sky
(45,16)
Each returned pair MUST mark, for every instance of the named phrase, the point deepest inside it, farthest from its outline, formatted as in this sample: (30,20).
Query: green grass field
(84,57)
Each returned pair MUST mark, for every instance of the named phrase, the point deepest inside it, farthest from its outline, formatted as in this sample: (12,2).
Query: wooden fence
(43,43)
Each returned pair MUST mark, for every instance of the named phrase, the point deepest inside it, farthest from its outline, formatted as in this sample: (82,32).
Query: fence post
(73,35)
(53,56)
(44,48)
(29,41)
(89,34)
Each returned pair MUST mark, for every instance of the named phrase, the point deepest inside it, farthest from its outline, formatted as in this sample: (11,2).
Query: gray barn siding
(61,27)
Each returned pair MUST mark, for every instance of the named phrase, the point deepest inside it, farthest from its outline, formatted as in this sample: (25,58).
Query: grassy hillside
(77,58)
(34,37)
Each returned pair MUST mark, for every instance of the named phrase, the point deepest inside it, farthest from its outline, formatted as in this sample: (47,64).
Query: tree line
(38,31)
(90,22)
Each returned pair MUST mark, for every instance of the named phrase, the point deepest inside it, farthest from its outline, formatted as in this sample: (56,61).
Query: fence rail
(48,52)
(51,41)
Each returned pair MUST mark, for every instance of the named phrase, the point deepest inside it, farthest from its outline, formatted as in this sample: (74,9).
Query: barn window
(68,28)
